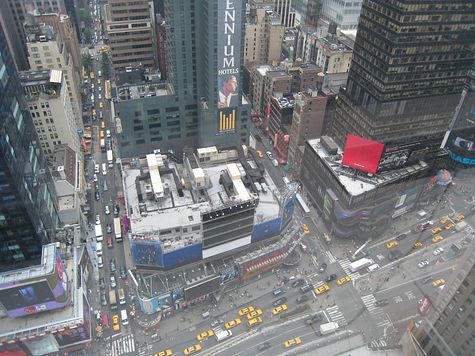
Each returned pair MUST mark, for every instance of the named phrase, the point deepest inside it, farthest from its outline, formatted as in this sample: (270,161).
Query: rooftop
(286,101)
(162,193)
(140,91)
(357,182)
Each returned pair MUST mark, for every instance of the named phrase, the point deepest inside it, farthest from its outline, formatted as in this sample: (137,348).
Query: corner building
(204,47)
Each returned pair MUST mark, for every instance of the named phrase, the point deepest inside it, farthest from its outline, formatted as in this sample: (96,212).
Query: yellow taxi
(292,342)
(392,244)
(436,230)
(280,309)
(103,124)
(93,112)
(101,105)
(322,289)
(98,81)
(167,352)
(254,321)
(438,282)
(247,310)
(343,280)
(260,154)
(115,322)
(449,226)
(253,314)
(101,134)
(417,245)
(192,349)
(233,323)
(305,229)
(444,219)
(437,238)
(205,335)
(459,218)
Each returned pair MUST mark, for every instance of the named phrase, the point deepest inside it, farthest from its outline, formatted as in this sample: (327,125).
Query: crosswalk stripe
(330,256)
(336,315)
(345,264)
(122,345)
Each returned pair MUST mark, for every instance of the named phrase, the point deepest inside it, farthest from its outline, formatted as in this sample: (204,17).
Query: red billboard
(362,154)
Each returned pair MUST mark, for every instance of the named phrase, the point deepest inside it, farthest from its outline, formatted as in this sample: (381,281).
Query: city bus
(303,205)
(117,230)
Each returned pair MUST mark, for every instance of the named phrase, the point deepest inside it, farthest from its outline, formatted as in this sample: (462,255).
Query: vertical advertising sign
(229,62)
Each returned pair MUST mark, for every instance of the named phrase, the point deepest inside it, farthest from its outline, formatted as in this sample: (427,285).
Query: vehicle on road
(328,328)
(360,264)
(436,230)
(373,267)
(100,262)
(123,317)
(192,349)
(331,277)
(438,282)
(103,299)
(277,292)
(427,280)
(123,272)
(302,298)
(343,280)
(104,169)
(459,218)
(221,334)
(121,294)
(322,268)
(401,237)
(204,335)
(259,154)
(392,244)
(94,178)
(417,245)
(97,196)
(438,251)
(115,322)
(270,155)
(254,313)
(102,283)
(264,346)
(112,299)
(280,309)
(279,301)
(110,243)
(303,206)
(254,321)
(246,310)
(298,283)
(113,283)
(233,323)
(98,231)
(108,228)
(107,210)
(275,163)
(314,319)
(116,210)
(292,342)
(112,265)
(322,289)
(99,248)
(437,238)
(305,229)
(449,226)
(423,263)
(394,255)
(444,219)
(306,288)
(381,302)
(117,230)
(97,169)
(167,352)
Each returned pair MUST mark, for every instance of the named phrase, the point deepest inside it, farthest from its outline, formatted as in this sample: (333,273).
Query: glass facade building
(28,215)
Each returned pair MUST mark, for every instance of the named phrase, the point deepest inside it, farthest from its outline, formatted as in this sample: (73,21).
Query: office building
(307,12)
(286,12)
(47,50)
(207,204)
(344,14)
(50,108)
(263,34)
(46,306)
(28,216)
(130,30)
(12,17)
(403,92)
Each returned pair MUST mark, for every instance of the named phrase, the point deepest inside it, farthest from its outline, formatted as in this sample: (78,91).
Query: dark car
(298,283)
(314,319)
(322,268)
(306,288)
(123,272)
(331,277)
(394,255)
(97,196)
(263,346)
(381,302)
(112,265)
(302,298)
(103,299)
(427,280)
(116,210)
(109,228)
(401,237)
(277,292)
(279,301)
(102,283)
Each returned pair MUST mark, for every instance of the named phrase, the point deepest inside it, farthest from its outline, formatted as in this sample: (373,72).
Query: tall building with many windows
(28,215)
(410,62)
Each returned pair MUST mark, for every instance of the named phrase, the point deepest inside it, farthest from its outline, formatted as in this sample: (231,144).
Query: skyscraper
(28,217)
(409,65)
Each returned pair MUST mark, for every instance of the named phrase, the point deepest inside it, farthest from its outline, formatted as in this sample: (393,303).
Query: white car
(108,133)
(438,251)
(97,168)
(99,96)
(113,282)
(270,155)
(423,264)
(98,219)
(106,210)
(94,178)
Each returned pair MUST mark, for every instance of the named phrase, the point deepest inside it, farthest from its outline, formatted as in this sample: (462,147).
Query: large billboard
(27,295)
(229,19)
(204,288)
(362,154)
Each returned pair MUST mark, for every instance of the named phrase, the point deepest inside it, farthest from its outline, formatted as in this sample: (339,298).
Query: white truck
(328,328)
(99,236)
(222,334)
(110,159)
(360,264)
